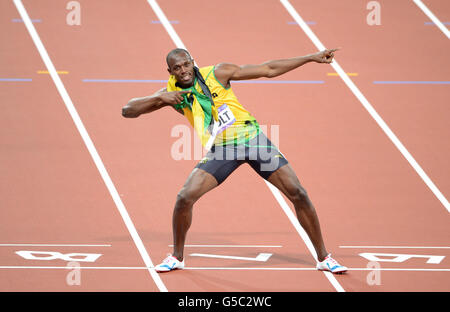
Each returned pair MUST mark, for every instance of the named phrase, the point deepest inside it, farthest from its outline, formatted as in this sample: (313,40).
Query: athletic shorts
(259,153)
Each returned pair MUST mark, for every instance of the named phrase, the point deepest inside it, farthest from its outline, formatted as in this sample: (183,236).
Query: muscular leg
(198,183)
(287,182)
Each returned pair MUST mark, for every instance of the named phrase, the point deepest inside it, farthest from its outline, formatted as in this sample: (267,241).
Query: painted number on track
(388,257)
(54,255)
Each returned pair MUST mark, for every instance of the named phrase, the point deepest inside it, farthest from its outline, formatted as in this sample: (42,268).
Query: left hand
(325,56)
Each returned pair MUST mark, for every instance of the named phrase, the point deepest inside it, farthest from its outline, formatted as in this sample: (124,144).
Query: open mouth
(186,78)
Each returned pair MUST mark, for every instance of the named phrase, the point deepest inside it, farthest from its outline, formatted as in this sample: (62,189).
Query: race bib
(226,118)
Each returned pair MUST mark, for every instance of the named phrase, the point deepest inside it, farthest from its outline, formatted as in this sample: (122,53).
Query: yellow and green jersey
(234,124)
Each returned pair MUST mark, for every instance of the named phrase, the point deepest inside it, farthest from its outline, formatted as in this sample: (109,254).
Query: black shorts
(259,153)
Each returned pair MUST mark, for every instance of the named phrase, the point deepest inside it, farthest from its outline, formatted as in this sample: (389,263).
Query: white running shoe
(169,264)
(329,264)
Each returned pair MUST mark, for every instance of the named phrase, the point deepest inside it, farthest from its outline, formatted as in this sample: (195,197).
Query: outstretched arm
(225,72)
(148,104)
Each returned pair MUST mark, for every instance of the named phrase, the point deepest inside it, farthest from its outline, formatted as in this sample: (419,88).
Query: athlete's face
(181,66)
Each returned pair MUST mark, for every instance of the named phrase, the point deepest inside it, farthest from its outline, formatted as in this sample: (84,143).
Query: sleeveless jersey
(234,124)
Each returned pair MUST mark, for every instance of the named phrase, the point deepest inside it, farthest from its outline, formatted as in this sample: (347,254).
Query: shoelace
(167,260)
(331,260)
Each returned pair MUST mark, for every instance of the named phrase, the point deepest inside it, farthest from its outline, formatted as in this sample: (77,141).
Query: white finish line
(263,257)
(218,268)
(233,246)
(399,247)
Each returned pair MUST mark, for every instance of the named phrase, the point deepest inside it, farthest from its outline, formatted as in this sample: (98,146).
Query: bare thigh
(197,184)
(287,182)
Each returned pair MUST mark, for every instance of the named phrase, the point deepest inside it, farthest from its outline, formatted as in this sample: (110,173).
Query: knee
(298,195)
(185,199)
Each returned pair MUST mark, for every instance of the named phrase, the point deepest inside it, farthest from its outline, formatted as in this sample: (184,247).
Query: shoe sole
(168,270)
(336,272)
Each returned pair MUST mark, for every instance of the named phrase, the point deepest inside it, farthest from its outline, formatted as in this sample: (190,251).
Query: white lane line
(276,193)
(89,144)
(17,267)
(368,106)
(287,210)
(179,44)
(432,17)
(262,257)
(233,246)
(176,39)
(167,25)
(313,269)
(53,245)
(395,247)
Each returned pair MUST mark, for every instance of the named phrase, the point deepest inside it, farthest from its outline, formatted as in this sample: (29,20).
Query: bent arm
(143,105)
(148,104)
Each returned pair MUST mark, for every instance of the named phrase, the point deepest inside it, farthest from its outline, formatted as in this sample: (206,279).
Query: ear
(168,69)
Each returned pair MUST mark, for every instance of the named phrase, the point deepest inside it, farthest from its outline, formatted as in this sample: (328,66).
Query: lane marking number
(388,257)
(54,255)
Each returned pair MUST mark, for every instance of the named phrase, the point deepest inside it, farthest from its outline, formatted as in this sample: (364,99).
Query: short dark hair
(175,52)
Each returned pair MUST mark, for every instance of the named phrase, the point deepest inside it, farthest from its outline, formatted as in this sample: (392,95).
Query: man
(232,137)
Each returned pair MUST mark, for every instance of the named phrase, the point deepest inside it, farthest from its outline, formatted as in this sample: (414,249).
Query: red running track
(364,190)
